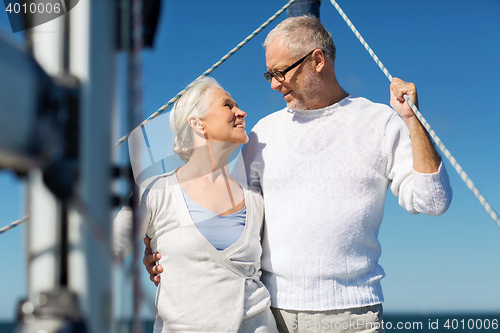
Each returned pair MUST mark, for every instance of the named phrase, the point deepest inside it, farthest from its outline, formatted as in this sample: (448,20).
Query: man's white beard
(309,92)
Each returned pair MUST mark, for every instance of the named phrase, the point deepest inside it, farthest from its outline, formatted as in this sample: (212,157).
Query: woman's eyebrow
(230,101)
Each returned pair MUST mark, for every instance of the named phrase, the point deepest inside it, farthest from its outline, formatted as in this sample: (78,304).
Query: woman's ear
(196,124)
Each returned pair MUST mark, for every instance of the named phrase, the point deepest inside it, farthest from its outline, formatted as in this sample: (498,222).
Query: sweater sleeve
(249,165)
(429,194)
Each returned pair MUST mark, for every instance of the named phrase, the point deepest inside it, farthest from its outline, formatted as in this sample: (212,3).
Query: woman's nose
(240,113)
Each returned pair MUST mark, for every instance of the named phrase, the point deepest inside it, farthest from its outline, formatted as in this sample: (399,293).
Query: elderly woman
(206,225)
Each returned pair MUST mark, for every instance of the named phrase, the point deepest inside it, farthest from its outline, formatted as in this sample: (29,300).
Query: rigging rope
(210,70)
(14,224)
(424,122)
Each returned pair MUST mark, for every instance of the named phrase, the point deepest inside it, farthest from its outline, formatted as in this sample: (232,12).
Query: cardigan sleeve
(429,194)
(122,225)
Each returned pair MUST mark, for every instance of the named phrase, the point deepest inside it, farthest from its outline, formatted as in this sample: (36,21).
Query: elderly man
(324,164)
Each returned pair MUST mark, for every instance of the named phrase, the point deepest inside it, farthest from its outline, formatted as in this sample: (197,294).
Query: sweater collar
(323,112)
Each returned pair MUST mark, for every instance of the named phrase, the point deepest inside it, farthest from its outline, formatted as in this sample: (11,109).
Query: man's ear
(318,60)
(196,125)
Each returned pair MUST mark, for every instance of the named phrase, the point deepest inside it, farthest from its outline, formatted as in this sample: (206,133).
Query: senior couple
(319,168)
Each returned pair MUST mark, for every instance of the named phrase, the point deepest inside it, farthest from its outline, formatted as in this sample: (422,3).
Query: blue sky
(448,48)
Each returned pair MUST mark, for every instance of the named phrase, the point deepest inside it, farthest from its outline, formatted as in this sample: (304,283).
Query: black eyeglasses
(280,75)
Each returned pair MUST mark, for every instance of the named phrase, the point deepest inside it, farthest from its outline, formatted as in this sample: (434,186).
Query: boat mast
(69,269)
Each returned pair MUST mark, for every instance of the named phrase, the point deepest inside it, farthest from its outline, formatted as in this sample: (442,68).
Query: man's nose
(275,83)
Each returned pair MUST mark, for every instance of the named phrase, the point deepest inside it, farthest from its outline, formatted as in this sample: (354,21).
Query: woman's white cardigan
(201,288)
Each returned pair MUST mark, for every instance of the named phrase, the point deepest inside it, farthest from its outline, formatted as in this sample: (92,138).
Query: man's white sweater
(324,176)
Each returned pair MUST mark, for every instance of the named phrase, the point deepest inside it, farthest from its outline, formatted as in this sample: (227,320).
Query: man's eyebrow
(275,69)
(270,69)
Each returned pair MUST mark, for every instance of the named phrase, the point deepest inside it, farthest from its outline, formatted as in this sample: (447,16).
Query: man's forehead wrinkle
(273,64)
(277,62)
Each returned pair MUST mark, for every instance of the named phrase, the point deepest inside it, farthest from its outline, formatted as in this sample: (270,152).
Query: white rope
(210,70)
(14,224)
(487,207)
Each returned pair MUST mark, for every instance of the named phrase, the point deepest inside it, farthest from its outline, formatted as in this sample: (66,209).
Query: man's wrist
(413,123)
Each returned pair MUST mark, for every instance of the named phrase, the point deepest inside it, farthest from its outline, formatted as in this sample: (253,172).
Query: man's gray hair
(301,35)
(194,102)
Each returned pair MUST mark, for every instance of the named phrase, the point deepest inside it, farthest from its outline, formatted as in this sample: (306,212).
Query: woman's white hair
(194,102)
(301,35)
